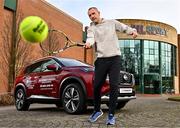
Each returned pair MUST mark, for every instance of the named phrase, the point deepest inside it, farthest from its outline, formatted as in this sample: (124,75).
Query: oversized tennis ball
(33,29)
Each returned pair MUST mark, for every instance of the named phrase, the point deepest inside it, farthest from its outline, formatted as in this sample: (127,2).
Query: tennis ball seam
(28,26)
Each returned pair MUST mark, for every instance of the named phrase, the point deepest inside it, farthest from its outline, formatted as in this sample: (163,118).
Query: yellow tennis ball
(33,29)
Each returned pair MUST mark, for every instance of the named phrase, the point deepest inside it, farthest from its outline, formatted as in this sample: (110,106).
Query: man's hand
(134,34)
(87,45)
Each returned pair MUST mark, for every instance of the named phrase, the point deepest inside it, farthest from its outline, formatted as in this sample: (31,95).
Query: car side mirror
(52,67)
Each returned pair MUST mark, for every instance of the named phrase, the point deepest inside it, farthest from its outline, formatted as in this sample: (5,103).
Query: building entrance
(151,83)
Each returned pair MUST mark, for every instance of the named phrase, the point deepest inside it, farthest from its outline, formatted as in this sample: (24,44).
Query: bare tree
(15,53)
(51,43)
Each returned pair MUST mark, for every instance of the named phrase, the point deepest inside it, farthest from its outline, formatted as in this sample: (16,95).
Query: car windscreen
(71,62)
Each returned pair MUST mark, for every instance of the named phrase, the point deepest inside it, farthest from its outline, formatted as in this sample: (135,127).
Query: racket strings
(55,41)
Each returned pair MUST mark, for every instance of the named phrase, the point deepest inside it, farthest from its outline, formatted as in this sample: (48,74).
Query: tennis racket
(57,41)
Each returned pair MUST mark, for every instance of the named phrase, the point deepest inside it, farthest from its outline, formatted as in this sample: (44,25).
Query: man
(102,33)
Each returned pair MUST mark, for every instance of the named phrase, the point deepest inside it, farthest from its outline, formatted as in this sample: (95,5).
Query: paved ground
(144,112)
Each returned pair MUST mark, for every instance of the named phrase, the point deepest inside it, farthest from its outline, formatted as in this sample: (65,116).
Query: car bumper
(124,98)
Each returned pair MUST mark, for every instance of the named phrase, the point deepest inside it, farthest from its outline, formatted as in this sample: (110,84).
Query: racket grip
(81,45)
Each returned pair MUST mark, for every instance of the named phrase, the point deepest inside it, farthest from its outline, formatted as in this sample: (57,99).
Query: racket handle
(81,45)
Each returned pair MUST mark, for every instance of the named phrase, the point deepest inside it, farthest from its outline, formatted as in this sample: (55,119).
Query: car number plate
(125,90)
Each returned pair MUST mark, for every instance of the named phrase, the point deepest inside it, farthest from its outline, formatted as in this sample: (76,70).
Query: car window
(71,62)
(48,62)
(33,68)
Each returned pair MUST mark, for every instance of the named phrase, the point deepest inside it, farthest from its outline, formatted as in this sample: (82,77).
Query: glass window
(168,47)
(122,50)
(126,50)
(126,43)
(121,43)
(151,51)
(146,51)
(46,63)
(156,62)
(71,62)
(146,57)
(156,45)
(130,53)
(169,54)
(132,50)
(146,44)
(10,4)
(174,60)
(156,52)
(166,59)
(152,62)
(168,65)
(151,56)
(33,68)
(131,43)
(136,42)
(151,44)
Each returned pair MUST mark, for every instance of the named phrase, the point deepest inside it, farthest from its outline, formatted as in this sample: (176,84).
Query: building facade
(152,57)
(12,13)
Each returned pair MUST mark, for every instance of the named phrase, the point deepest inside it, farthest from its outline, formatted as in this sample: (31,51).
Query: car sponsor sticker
(46,86)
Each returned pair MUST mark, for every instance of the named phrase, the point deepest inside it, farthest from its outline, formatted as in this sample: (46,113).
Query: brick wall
(59,20)
(4,16)
(178,62)
(1,16)
(53,16)
(2,87)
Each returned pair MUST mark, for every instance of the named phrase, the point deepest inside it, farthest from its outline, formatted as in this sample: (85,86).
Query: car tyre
(20,100)
(73,99)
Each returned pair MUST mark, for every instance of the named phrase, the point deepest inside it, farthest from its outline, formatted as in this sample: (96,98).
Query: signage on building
(150,30)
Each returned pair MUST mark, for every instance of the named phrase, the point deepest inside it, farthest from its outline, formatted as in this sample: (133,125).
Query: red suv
(67,83)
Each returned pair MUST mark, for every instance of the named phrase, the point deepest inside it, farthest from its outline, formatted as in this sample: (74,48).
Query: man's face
(94,15)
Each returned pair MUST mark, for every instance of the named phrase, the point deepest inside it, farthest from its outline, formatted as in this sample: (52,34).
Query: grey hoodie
(104,36)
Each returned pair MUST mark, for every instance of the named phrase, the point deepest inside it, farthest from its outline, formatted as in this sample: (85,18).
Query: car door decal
(46,82)
(29,82)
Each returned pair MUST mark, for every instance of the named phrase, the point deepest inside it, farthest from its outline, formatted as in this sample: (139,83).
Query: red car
(65,82)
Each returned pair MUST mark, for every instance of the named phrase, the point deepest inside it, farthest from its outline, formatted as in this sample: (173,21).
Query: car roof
(47,57)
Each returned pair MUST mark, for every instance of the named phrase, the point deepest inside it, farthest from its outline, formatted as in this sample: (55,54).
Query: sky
(165,11)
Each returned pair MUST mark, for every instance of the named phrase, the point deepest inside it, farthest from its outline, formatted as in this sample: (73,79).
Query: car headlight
(125,77)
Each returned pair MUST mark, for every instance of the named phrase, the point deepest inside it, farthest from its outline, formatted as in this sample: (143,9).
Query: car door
(48,79)
(31,78)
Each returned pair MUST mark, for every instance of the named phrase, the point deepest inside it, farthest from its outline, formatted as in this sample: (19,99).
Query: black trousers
(103,67)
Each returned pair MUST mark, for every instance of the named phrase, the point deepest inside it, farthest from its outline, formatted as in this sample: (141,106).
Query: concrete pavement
(143,112)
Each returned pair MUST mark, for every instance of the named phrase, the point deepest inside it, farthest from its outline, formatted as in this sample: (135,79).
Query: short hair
(93,8)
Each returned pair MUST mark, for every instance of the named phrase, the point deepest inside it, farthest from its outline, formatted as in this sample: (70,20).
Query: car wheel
(119,105)
(73,99)
(20,101)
